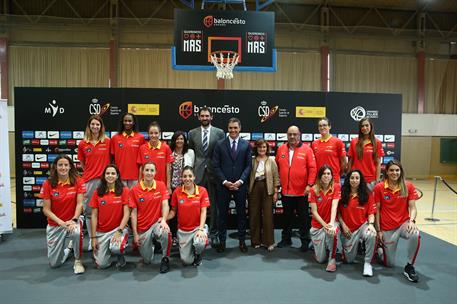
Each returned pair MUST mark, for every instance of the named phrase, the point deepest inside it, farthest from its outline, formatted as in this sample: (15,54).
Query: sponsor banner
(42,136)
(5,186)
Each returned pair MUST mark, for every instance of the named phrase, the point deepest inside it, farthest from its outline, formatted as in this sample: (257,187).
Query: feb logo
(88,150)
(208,21)
(319,199)
(146,157)
(55,194)
(185,109)
(387,197)
(141,200)
(181,201)
(121,145)
(103,203)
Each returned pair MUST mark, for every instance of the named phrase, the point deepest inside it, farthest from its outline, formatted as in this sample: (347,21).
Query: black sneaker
(410,273)
(164,265)
(284,243)
(197,260)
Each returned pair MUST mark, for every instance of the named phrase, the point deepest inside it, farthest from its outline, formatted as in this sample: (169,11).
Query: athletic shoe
(78,267)
(66,254)
(410,273)
(197,260)
(331,266)
(284,243)
(164,265)
(120,262)
(367,270)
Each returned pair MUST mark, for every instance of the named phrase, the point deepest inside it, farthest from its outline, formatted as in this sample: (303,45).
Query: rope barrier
(450,188)
(433,219)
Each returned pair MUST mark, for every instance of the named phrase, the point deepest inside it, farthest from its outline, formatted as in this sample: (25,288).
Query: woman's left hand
(275,197)
(411,228)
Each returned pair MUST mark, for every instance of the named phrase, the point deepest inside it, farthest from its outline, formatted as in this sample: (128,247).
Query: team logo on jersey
(88,150)
(146,157)
(141,200)
(387,197)
(55,194)
(319,199)
(181,201)
(121,145)
(283,156)
(103,203)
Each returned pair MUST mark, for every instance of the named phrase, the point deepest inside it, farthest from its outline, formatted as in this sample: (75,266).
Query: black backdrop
(49,121)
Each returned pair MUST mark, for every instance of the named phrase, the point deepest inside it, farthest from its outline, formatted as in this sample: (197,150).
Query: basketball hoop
(224,65)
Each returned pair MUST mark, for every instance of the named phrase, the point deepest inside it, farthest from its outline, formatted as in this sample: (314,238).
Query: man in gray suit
(202,140)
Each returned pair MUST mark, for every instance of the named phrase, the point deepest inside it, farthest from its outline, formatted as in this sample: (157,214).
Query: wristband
(75,220)
(414,221)
(370,223)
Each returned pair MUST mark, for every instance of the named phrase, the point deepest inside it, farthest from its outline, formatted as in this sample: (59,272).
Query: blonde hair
(401,179)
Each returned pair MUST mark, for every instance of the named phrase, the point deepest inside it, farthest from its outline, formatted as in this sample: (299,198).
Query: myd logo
(185,109)
(208,21)
(54,108)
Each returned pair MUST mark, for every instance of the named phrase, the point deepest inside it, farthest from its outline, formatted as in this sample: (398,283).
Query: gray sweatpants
(190,244)
(107,247)
(91,186)
(147,246)
(391,238)
(323,242)
(55,237)
(351,245)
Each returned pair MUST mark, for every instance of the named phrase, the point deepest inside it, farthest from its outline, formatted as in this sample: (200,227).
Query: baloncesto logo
(210,21)
(187,108)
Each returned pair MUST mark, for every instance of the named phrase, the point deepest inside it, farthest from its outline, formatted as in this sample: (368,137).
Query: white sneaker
(66,255)
(367,270)
(78,267)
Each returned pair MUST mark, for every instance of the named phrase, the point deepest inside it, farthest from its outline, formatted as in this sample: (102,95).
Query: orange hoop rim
(225,59)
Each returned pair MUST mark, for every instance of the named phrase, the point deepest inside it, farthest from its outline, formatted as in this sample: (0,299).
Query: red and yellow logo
(208,21)
(185,109)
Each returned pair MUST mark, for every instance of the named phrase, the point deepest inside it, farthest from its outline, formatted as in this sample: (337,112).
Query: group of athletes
(127,183)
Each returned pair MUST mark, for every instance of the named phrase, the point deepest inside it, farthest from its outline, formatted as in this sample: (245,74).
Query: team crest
(141,200)
(55,194)
(146,156)
(181,201)
(283,156)
(121,145)
(387,197)
(319,199)
(103,203)
(88,150)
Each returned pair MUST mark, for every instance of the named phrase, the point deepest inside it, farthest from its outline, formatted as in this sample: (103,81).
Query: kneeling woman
(396,217)
(356,214)
(63,195)
(149,203)
(323,200)
(110,214)
(190,202)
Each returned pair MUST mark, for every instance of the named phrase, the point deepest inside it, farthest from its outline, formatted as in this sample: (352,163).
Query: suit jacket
(232,169)
(203,165)
(271,175)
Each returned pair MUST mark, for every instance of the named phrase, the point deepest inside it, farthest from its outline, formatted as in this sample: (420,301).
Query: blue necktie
(234,149)
(205,142)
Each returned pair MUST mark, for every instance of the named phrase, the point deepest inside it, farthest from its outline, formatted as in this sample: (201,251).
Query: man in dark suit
(202,140)
(232,165)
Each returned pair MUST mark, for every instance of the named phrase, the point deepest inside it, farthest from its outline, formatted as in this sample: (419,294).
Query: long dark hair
(359,145)
(121,123)
(173,142)
(103,186)
(362,191)
(54,176)
(318,186)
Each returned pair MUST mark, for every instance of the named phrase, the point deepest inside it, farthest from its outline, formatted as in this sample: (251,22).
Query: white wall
(429,125)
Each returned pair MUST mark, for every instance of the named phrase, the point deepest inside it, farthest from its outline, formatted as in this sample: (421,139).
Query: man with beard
(202,140)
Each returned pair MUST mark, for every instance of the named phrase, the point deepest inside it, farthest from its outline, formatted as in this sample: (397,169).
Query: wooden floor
(445,209)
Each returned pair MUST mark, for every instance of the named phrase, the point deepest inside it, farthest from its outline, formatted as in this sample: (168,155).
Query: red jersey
(189,206)
(394,209)
(95,158)
(110,209)
(324,203)
(355,215)
(161,156)
(63,198)
(294,178)
(148,202)
(366,165)
(329,152)
(125,150)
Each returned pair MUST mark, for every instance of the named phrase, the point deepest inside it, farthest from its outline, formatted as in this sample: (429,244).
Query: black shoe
(164,265)
(243,247)
(220,247)
(304,245)
(157,247)
(284,243)
(410,273)
(197,260)
(214,241)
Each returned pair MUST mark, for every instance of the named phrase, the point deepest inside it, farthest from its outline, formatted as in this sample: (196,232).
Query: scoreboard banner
(198,34)
(5,187)
(50,121)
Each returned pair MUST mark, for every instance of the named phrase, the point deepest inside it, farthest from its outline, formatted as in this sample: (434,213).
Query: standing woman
(329,150)
(263,193)
(124,147)
(149,203)
(94,155)
(63,194)
(323,200)
(110,214)
(356,214)
(190,202)
(159,153)
(396,217)
(365,153)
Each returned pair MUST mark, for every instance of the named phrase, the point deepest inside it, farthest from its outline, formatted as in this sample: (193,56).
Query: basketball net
(224,65)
